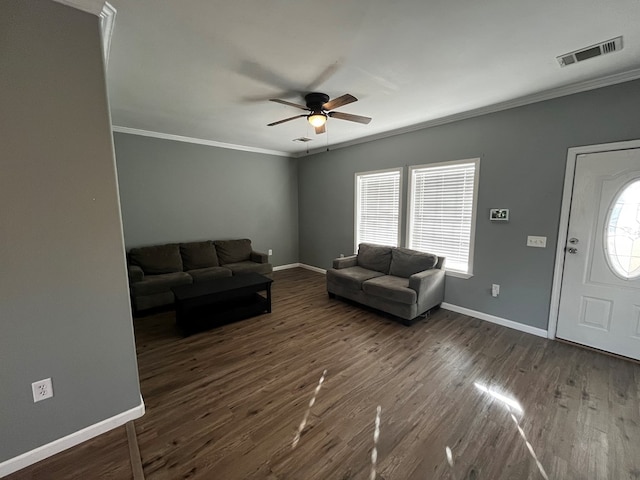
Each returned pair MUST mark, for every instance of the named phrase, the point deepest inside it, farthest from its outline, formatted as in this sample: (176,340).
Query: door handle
(572,250)
(573,241)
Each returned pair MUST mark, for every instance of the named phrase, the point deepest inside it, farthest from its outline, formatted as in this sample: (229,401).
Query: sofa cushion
(351,277)
(232,251)
(374,257)
(405,262)
(158,259)
(197,255)
(248,266)
(160,283)
(391,288)
(209,273)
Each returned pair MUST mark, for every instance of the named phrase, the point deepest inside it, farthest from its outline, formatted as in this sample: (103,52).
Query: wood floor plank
(227,403)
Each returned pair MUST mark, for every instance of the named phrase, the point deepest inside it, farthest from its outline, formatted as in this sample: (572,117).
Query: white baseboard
(313,269)
(29,458)
(299,265)
(286,267)
(498,320)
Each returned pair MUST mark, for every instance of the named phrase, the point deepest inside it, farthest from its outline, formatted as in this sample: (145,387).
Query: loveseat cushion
(196,255)
(232,251)
(209,273)
(245,267)
(351,277)
(391,288)
(374,257)
(160,283)
(405,262)
(157,259)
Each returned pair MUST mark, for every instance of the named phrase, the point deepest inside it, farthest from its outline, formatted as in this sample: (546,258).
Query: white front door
(600,293)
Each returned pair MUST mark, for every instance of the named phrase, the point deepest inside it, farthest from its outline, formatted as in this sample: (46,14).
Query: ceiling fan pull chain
(327,132)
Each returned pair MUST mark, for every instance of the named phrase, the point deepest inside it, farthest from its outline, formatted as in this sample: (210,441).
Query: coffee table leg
(181,320)
(269,297)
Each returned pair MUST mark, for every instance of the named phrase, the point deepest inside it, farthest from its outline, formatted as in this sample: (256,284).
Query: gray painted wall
(64,305)
(523,156)
(177,192)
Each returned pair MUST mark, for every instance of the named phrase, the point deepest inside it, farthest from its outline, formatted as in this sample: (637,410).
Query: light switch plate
(538,242)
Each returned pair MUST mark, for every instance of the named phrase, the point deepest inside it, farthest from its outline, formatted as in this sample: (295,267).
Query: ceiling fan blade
(285,120)
(350,117)
(340,101)
(320,130)
(284,102)
(324,75)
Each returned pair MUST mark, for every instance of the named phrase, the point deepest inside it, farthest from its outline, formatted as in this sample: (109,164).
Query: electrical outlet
(539,242)
(42,390)
(495,290)
(270,252)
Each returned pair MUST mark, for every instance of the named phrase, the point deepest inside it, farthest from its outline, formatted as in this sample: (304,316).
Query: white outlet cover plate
(42,389)
(538,242)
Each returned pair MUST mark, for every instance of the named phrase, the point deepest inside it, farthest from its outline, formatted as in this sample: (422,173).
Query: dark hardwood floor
(227,403)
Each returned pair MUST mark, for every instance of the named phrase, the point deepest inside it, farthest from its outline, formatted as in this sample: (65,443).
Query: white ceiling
(206,69)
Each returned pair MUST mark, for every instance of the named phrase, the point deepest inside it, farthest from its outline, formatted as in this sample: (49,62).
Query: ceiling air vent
(609,46)
(303,139)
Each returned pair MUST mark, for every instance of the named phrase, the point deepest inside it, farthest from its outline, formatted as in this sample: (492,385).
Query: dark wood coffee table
(220,301)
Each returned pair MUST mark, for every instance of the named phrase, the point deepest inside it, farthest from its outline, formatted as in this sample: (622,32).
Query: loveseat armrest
(428,283)
(345,262)
(259,257)
(135,273)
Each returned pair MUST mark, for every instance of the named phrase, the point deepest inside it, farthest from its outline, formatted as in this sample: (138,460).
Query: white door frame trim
(572,156)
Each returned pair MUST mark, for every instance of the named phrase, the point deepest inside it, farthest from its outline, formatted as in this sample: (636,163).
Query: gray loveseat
(405,283)
(154,270)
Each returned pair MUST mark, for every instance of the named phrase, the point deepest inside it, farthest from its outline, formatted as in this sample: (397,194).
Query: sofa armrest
(428,282)
(259,257)
(345,262)
(135,273)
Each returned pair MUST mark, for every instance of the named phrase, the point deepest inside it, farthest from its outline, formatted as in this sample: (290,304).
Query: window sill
(452,273)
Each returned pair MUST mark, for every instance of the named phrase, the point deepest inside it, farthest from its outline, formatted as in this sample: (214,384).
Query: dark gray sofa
(405,283)
(154,270)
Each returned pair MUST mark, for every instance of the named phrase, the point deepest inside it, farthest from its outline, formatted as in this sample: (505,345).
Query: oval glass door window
(623,232)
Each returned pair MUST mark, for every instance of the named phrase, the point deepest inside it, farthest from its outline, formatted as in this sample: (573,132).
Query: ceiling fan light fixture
(317,119)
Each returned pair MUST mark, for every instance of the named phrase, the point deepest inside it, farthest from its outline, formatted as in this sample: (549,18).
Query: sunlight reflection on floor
(303,423)
(512,404)
(374,450)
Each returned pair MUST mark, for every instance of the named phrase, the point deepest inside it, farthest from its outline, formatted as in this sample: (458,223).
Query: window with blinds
(442,206)
(378,207)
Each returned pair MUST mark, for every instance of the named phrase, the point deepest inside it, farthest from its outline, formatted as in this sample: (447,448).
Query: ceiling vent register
(613,45)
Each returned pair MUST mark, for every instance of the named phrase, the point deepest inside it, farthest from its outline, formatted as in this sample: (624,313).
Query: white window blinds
(378,207)
(442,213)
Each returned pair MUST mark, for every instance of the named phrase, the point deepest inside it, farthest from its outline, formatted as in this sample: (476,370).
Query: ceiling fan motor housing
(316,100)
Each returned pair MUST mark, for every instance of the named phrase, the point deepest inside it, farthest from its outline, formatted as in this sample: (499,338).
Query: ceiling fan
(319,106)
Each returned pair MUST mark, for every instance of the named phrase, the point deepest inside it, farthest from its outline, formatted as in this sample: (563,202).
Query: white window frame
(410,208)
(356,197)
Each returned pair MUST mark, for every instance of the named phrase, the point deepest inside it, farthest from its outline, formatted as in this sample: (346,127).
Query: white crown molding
(198,141)
(497,107)
(90,6)
(107,21)
(539,332)
(104,11)
(29,458)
